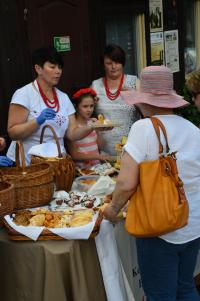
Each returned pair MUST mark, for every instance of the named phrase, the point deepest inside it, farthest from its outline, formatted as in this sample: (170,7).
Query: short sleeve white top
(183,137)
(30,98)
(117,111)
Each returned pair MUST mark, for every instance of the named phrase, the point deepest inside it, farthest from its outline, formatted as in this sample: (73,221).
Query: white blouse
(115,110)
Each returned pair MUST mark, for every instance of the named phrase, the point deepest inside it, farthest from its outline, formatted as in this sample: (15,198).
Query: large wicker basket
(7,198)
(63,166)
(33,184)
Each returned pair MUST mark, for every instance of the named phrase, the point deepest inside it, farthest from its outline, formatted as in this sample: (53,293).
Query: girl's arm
(18,126)
(74,132)
(100,141)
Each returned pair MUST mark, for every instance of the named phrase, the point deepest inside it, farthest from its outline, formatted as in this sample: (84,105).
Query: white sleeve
(20,97)
(70,107)
(136,145)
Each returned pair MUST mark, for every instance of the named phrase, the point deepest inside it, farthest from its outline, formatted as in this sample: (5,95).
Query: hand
(46,114)
(107,158)
(109,213)
(5,161)
(2,143)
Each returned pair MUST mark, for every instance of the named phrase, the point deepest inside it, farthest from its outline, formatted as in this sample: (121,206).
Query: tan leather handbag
(159,204)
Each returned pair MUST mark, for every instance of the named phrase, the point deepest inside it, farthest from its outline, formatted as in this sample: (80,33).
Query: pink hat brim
(171,100)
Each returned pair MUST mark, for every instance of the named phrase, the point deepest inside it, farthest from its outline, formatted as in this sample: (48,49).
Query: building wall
(27,24)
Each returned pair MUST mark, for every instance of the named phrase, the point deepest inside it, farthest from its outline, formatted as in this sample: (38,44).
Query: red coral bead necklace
(110,95)
(54,103)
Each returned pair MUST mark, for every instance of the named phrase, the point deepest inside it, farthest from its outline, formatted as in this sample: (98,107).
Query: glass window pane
(120,29)
(190,47)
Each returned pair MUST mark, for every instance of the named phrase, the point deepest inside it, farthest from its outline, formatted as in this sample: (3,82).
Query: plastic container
(85,182)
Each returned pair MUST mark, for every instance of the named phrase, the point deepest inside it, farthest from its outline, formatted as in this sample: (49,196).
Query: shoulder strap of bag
(157,124)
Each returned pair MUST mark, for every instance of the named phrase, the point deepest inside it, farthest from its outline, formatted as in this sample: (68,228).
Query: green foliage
(191,113)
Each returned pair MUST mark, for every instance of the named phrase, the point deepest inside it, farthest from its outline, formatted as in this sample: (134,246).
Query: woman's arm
(18,126)
(126,185)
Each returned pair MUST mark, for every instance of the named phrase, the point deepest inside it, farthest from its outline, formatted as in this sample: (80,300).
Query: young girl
(86,151)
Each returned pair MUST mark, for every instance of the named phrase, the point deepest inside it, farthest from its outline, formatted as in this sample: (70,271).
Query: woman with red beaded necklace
(110,103)
(39,103)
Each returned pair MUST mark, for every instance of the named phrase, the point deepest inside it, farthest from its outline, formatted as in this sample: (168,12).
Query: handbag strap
(54,136)
(157,124)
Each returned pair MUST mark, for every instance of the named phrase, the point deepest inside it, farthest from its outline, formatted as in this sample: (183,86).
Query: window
(190,51)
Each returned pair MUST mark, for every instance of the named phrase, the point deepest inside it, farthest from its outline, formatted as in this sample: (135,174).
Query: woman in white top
(40,103)
(110,103)
(167,262)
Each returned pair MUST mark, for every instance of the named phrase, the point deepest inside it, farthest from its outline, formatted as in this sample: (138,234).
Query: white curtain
(141,42)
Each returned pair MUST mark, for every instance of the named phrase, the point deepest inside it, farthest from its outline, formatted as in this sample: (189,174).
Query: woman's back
(184,138)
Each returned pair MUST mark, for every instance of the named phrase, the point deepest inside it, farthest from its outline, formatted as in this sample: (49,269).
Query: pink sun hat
(156,89)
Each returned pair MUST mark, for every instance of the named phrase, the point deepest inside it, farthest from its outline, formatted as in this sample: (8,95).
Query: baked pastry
(22,217)
(100,118)
(37,220)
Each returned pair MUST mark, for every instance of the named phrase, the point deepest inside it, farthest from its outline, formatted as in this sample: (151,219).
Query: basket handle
(19,152)
(54,136)
(1,176)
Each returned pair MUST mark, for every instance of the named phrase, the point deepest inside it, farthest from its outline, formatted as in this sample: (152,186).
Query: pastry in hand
(101,119)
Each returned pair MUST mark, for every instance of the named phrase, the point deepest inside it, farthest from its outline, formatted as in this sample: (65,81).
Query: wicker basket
(46,234)
(63,166)
(33,184)
(7,198)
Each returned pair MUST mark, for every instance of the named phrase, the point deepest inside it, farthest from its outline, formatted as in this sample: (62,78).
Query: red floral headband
(84,91)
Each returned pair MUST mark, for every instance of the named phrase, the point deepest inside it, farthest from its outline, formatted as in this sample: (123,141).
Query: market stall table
(50,270)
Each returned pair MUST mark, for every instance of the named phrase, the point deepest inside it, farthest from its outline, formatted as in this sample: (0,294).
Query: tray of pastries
(104,169)
(43,217)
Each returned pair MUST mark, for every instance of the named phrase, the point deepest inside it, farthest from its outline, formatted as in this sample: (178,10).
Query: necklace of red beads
(110,95)
(50,103)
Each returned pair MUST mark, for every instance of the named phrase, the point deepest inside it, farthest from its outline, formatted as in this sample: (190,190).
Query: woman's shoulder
(23,92)
(62,95)
(97,82)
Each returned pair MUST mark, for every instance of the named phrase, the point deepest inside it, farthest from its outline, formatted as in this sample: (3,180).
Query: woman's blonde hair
(193,82)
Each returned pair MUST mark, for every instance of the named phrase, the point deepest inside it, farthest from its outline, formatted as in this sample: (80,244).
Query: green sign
(62,43)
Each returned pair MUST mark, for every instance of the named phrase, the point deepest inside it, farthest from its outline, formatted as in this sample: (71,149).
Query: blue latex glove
(46,114)
(5,161)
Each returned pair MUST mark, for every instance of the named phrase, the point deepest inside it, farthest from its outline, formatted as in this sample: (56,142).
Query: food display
(104,121)
(75,200)
(45,218)
(119,148)
(84,183)
(99,169)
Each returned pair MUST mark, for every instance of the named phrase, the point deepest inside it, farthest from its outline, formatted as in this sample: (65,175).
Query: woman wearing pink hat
(167,262)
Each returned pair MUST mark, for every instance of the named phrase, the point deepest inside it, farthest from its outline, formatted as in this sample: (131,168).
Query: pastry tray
(46,234)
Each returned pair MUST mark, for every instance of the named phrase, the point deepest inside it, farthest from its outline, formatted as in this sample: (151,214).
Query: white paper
(104,186)
(48,149)
(171,50)
(156,15)
(112,271)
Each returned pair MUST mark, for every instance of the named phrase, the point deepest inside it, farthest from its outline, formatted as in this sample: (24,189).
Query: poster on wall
(157,48)
(156,15)
(171,50)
